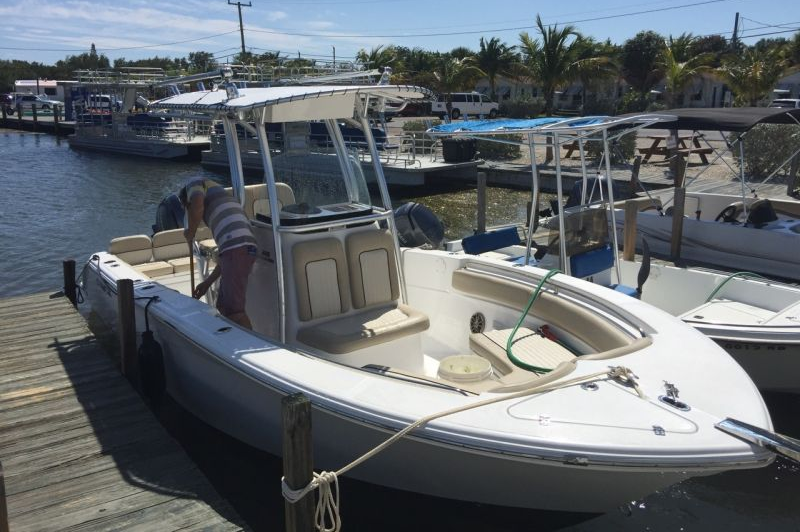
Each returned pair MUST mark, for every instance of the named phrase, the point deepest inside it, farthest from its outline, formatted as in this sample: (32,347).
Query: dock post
(481,203)
(629,235)
(35,117)
(298,466)
(637,165)
(70,288)
(677,223)
(126,325)
(19,115)
(56,118)
(3,508)
(3,107)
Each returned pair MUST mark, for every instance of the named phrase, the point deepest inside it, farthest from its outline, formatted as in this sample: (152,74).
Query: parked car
(29,100)
(6,99)
(791,103)
(465,103)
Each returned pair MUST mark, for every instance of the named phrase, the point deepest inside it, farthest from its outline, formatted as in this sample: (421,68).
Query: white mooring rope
(327,510)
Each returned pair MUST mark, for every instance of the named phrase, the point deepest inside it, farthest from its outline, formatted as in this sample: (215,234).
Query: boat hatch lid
(286,104)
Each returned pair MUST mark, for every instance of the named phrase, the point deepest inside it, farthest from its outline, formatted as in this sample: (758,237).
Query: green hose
(733,276)
(517,362)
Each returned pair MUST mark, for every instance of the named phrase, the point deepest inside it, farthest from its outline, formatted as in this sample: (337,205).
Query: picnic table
(656,147)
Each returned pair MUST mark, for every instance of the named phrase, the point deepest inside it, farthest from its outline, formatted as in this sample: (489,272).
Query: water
(59,203)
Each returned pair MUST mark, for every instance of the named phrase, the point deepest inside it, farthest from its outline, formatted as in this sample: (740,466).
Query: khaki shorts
(236,265)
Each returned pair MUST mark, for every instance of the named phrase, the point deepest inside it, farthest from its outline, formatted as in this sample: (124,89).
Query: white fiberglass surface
(678,290)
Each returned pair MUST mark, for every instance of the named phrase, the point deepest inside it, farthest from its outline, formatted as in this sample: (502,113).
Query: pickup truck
(465,103)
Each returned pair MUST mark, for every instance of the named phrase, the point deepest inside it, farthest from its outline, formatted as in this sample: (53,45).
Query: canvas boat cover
(728,118)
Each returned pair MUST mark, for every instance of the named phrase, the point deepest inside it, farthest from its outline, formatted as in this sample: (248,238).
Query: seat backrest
(168,245)
(256,200)
(136,249)
(373,268)
(320,275)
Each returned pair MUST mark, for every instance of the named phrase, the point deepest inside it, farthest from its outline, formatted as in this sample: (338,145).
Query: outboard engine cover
(418,226)
(169,214)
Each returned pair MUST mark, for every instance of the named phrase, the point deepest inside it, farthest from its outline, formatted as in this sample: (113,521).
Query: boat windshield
(585,229)
(325,183)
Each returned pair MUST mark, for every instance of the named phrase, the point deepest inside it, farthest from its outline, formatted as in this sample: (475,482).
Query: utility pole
(241,26)
(334,58)
(735,32)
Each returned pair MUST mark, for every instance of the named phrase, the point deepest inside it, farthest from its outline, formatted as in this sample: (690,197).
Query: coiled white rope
(327,510)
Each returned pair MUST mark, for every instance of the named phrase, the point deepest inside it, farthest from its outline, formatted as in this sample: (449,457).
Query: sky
(49,30)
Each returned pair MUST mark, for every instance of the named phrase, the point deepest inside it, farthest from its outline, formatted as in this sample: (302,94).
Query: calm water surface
(58,203)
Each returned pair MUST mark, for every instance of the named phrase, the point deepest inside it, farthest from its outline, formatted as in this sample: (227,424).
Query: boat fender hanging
(151,364)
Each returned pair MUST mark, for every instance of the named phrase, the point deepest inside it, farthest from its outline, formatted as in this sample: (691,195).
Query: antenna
(241,27)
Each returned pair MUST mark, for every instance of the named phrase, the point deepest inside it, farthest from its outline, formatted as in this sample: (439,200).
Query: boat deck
(79,449)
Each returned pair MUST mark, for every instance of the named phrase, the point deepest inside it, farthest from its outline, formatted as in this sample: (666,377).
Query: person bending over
(206,200)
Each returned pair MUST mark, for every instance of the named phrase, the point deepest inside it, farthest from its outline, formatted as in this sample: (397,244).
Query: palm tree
(552,62)
(495,59)
(379,57)
(753,74)
(595,64)
(678,74)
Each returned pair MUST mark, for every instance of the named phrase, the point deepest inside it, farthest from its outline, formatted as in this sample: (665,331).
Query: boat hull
(202,383)
(774,367)
(142,148)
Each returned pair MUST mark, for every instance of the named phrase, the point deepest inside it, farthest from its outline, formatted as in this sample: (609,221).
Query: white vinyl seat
(256,199)
(326,285)
(135,249)
(170,247)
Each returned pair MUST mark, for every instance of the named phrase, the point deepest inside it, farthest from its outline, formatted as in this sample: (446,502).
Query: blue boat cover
(514,124)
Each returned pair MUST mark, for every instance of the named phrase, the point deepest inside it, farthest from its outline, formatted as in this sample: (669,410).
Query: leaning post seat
(327,283)
(256,199)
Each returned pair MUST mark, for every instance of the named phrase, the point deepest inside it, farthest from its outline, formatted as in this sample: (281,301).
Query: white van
(790,103)
(101,103)
(465,103)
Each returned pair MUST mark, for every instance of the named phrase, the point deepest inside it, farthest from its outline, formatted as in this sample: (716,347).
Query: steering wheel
(728,214)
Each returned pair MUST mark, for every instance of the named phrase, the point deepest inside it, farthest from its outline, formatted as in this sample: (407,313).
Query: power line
(104,49)
(486,31)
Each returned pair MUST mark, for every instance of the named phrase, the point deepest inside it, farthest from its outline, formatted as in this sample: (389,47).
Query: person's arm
(195,216)
(201,289)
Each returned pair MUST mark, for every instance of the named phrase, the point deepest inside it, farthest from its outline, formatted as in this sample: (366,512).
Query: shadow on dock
(79,448)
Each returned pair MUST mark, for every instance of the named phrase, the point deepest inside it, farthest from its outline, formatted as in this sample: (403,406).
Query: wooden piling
(126,325)
(298,466)
(19,115)
(3,508)
(3,109)
(70,287)
(35,117)
(481,202)
(56,119)
(637,165)
(677,222)
(629,235)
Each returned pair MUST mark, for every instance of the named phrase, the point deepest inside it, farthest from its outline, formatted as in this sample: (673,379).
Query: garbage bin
(458,150)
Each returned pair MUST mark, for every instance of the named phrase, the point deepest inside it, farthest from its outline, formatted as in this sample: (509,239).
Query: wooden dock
(78,447)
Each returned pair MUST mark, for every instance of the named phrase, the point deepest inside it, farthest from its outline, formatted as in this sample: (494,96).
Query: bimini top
(287,104)
(545,125)
(730,118)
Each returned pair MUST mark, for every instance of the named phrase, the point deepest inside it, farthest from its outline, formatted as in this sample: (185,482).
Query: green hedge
(766,146)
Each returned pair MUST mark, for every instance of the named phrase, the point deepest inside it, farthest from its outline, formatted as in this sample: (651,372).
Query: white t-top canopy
(287,104)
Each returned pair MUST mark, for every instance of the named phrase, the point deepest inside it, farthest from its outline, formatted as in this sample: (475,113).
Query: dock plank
(79,448)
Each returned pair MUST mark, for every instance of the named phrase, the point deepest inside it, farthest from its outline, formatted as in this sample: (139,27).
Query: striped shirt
(222,213)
